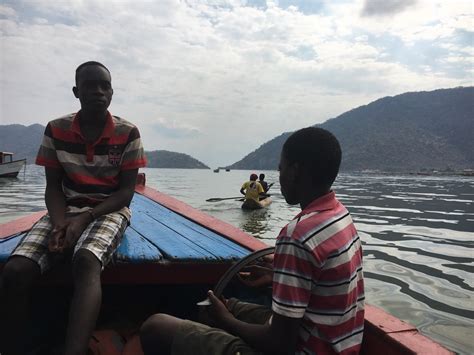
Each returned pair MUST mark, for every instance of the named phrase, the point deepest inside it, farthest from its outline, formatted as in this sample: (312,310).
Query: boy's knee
(19,273)
(152,331)
(85,263)
(152,324)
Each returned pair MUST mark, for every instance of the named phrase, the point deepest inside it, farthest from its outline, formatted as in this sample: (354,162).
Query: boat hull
(250,204)
(146,284)
(11,169)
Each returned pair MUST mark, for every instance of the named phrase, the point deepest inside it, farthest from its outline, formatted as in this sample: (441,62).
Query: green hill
(166,159)
(408,132)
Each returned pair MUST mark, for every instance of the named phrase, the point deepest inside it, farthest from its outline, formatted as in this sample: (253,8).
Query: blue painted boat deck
(157,234)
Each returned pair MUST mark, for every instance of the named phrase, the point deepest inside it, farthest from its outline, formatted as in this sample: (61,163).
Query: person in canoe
(261,180)
(252,189)
(318,287)
(91,161)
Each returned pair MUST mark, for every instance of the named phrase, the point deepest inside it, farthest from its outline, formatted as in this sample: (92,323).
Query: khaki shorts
(200,339)
(101,237)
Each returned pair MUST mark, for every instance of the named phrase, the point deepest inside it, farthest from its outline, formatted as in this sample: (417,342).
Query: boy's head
(253,177)
(88,64)
(310,157)
(261,177)
(93,86)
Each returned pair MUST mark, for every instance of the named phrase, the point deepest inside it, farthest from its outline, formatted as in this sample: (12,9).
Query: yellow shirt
(252,190)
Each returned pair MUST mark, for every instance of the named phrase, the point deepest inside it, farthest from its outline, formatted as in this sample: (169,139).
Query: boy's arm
(120,198)
(56,204)
(279,337)
(54,196)
(117,200)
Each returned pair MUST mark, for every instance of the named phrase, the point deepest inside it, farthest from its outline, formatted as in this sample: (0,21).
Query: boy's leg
(249,312)
(93,251)
(164,334)
(158,332)
(85,304)
(17,279)
(22,269)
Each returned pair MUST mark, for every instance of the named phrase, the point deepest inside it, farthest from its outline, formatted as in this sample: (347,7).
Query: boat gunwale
(14,161)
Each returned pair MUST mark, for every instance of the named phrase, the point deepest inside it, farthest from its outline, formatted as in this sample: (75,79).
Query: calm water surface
(417,233)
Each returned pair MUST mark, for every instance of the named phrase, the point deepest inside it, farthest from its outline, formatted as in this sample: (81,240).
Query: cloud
(217,79)
(385,7)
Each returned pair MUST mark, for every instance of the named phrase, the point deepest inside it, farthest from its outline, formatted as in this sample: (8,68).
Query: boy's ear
(74,90)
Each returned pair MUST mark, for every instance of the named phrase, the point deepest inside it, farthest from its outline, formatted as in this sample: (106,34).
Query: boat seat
(157,234)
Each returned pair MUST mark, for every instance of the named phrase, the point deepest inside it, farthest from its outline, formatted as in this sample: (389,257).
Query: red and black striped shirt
(92,170)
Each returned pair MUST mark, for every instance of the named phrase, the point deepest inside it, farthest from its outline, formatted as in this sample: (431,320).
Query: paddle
(215,199)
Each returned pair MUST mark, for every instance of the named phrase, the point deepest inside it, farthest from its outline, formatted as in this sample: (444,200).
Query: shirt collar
(106,133)
(323,203)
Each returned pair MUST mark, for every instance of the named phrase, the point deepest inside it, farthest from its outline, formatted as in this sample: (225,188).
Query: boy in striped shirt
(91,161)
(318,286)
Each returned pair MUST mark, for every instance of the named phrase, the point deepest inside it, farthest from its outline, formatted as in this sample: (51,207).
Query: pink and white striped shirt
(318,277)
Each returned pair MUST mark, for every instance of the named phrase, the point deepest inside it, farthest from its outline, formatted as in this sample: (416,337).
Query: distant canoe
(250,204)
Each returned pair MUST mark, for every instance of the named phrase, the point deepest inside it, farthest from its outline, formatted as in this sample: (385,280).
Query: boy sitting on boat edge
(91,162)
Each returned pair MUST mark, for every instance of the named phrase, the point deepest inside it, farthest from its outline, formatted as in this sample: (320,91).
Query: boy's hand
(75,227)
(56,239)
(256,276)
(218,311)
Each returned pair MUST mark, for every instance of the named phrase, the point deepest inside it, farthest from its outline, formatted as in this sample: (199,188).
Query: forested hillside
(409,132)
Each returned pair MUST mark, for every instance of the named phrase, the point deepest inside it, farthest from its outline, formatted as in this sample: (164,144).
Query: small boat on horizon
(169,257)
(8,166)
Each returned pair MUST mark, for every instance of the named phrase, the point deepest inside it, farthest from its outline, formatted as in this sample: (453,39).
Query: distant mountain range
(409,132)
(25,141)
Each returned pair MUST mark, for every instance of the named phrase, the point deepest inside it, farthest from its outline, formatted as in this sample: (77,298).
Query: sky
(217,79)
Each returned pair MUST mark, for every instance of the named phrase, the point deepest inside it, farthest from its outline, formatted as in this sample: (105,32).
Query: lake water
(417,234)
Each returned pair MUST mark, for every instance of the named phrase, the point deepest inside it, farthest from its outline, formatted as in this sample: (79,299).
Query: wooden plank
(226,230)
(136,249)
(171,244)
(213,243)
(175,273)
(7,245)
(19,225)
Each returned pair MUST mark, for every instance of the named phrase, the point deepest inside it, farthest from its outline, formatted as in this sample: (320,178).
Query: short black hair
(316,150)
(262,176)
(91,62)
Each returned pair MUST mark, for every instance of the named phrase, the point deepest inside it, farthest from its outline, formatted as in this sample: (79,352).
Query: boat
(250,204)
(169,257)
(8,166)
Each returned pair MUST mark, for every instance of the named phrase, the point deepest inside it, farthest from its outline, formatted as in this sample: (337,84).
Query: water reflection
(417,234)
(255,222)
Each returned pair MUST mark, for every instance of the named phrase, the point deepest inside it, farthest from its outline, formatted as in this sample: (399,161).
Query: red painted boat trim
(20,225)
(226,230)
(388,335)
